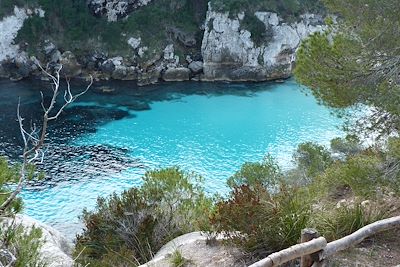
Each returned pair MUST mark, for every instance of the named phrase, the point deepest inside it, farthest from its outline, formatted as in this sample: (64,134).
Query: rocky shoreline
(227,52)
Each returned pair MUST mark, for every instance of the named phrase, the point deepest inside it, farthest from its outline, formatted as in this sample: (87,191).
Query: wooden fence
(314,250)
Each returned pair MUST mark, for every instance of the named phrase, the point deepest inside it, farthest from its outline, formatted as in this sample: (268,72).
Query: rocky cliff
(211,46)
(229,53)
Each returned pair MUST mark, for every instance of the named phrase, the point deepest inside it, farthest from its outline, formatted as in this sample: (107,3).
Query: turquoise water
(212,134)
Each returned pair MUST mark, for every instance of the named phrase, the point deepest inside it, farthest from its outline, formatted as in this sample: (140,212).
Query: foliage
(259,33)
(312,158)
(8,175)
(261,222)
(350,145)
(71,26)
(125,230)
(177,259)
(23,243)
(342,221)
(356,62)
(265,173)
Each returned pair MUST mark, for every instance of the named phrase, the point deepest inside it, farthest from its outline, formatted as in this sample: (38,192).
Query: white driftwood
(360,235)
(292,253)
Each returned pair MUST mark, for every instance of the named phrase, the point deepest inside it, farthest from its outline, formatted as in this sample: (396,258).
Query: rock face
(230,54)
(115,9)
(71,67)
(227,51)
(176,75)
(56,250)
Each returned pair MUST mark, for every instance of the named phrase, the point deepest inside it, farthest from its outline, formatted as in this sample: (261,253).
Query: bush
(261,222)
(265,173)
(126,230)
(312,159)
(350,145)
(23,244)
(341,221)
(361,174)
(259,33)
(8,174)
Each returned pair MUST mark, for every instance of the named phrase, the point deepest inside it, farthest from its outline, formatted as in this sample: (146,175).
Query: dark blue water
(105,142)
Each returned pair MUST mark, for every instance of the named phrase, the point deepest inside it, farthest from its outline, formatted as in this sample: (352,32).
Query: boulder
(124,73)
(196,66)
(150,76)
(56,250)
(176,74)
(71,67)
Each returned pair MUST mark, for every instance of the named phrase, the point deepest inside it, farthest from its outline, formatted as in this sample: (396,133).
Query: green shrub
(338,222)
(265,173)
(312,158)
(350,145)
(126,230)
(259,33)
(8,174)
(177,259)
(23,244)
(261,222)
(360,173)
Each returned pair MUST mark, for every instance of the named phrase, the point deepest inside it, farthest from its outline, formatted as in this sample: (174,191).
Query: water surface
(105,142)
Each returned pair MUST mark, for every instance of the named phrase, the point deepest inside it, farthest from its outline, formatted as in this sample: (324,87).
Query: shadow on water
(104,102)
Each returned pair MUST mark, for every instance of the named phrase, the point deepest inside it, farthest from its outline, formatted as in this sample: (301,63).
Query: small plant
(178,260)
(19,247)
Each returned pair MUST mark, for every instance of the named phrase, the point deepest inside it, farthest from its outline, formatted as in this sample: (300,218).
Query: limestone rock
(115,9)
(134,42)
(71,67)
(230,54)
(56,250)
(149,77)
(194,247)
(196,66)
(176,74)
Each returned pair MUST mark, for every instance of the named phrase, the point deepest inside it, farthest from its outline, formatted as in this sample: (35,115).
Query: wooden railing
(314,250)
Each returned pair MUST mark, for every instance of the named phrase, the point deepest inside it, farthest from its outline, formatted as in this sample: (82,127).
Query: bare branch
(34,139)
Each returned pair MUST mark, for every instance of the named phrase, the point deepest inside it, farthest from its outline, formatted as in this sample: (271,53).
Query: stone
(115,9)
(9,27)
(56,250)
(230,54)
(124,73)
(176,74)
(71,67)
(196,66)
(134,42)
(149,77)
(169,52)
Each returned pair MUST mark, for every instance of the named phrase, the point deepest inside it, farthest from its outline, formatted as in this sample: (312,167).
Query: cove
(105,142)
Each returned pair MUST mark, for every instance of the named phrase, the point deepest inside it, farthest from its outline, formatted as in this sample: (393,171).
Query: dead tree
(34,138)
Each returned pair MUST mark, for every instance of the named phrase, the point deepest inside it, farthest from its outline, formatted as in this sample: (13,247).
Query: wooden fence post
(307,235)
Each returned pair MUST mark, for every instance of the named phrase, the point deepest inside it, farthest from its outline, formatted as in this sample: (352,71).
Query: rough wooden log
(307,235)
(292,253)
(359,235)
